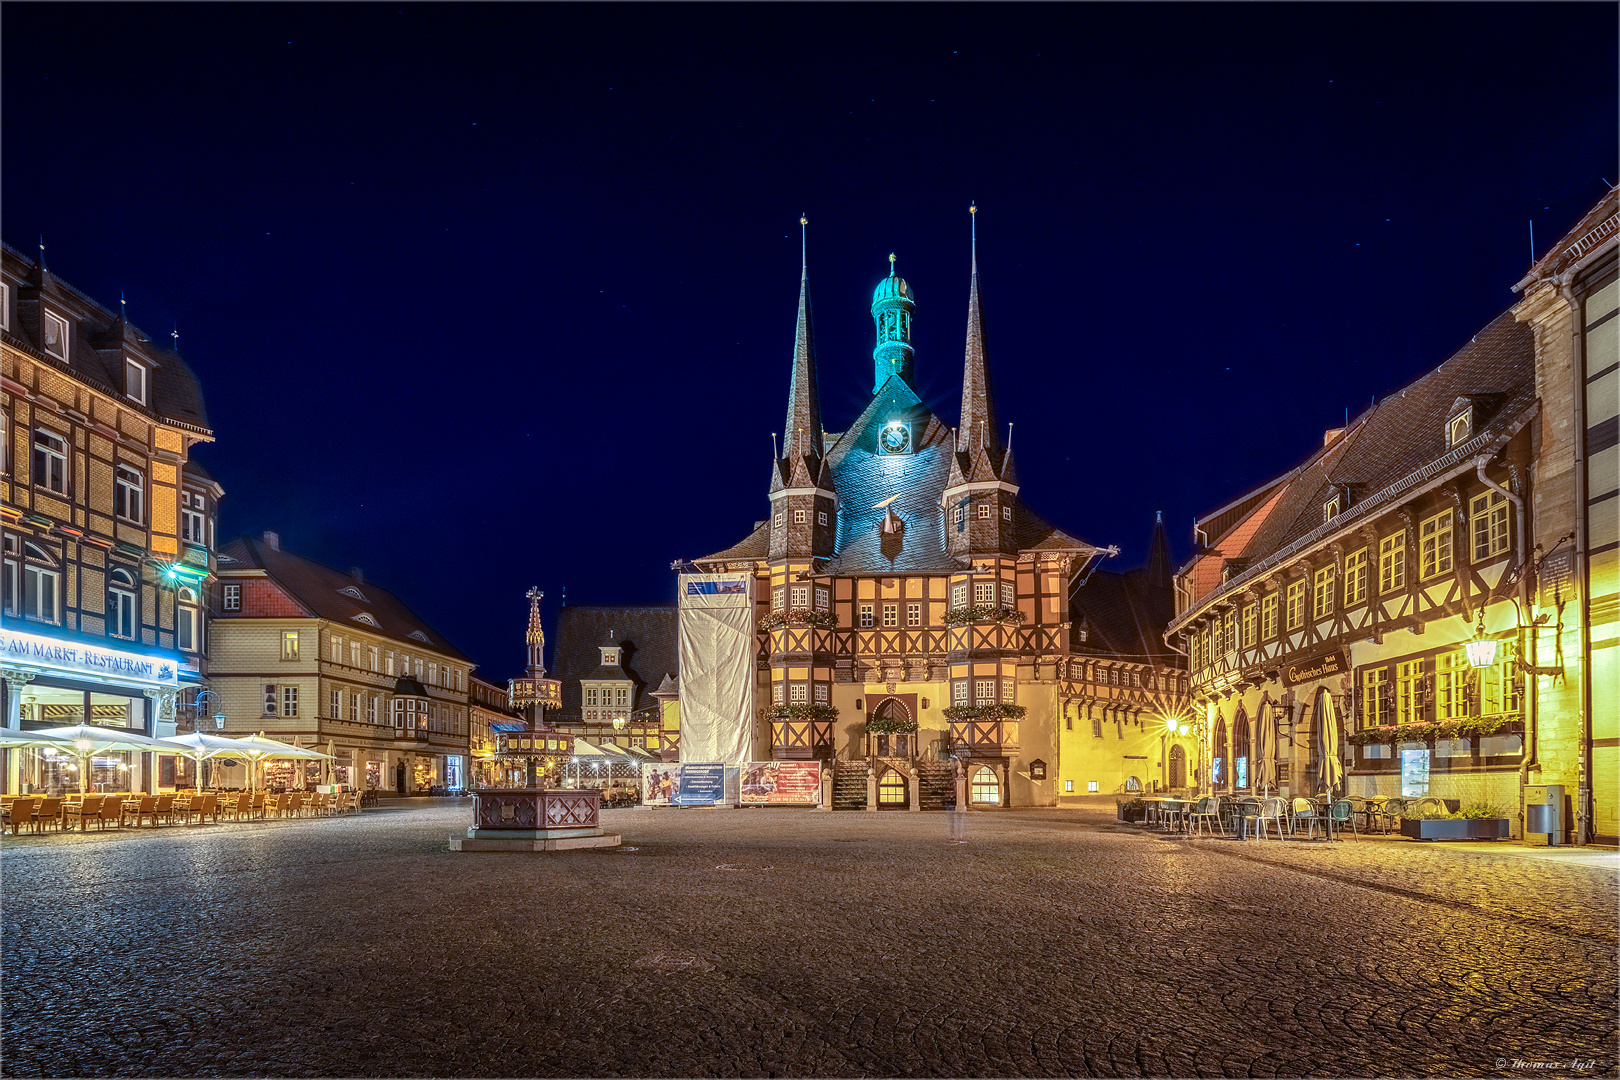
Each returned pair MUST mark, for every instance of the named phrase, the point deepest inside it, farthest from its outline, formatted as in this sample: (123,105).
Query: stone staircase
(849,785)
(936,785)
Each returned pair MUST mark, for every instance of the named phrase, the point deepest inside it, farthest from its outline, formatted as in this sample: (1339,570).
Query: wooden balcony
(801,740)
(894,641)
(984,738)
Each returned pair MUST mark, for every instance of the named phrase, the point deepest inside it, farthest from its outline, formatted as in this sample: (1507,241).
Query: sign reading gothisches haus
(77,658)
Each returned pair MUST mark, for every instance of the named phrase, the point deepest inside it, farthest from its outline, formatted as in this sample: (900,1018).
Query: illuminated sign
(76,658)
(1319,667)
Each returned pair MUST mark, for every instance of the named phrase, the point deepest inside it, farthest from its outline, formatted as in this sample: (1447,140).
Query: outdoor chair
(1390,814)
(1248,815)
(19,811)
(1340,814)
(164,810)
(275,804)
(1306,812)
(140,809)
(236,805)
(200,807)
(112,809)
(1431,805)
(46,812)
(295,804)
(88,810)
(1359,808)
(1206,814)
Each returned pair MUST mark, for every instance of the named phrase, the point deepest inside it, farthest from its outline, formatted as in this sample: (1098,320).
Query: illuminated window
(1501,689)
(798,692)
(354,654)
(1392,562)
(289,645)
(1453,676)
(913,614)
(985,789)
(800,597)
(984,592)
(1408,691)
(1460,427)
(50,461)
(129,494)
(865,615)
(1355,577)
(1434,545)
(1249,613)
(54,329)
(134,381)
(372,649)
(1489,515)
(1322,594)
(1268,616)
(1375,701)
(1296,604)
(121,604)
(1330,509)
(186,637)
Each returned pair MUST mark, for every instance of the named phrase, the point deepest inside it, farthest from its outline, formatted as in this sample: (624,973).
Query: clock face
(895,438)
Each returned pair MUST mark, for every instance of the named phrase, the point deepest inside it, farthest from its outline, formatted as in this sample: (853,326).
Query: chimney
(272,539)
(358,574)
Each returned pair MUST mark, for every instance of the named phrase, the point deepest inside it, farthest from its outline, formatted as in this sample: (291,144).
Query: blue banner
(700,785)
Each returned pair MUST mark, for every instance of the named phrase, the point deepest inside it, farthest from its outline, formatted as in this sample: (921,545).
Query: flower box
(1455,829)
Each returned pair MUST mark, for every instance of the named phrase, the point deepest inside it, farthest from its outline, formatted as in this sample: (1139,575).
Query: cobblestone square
(791,943)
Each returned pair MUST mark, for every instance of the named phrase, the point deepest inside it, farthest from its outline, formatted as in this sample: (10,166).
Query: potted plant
(982,613)
(1477,821)
(1130,809)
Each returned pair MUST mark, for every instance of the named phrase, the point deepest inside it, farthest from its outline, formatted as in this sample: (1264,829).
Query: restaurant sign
(1317,667)
(77,658)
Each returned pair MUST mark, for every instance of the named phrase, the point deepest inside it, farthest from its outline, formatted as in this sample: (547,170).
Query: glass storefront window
(1414,773)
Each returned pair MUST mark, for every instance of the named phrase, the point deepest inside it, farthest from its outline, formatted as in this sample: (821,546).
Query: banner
(782,783)
(717,646)
(686,784)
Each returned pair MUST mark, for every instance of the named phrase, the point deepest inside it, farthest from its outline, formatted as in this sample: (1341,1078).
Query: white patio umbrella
(1332,768)
(257,748)
(198,745)
(85,741)
(1265,773)
(17,739)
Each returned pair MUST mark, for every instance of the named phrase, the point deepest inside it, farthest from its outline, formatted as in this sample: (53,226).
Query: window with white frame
(798,692)
(371,709)
(1322,593)
(591,694)
(959,692)
(135,379)
(821,693)
(54,329)
(1452,676)
(335,705)
(1249,619)
(891,615)
(231,598)
(1488,513)
(865,617)
(187,626)
(984,691)
(289,645)
(1434,545)
(41,585)
(956,515)
(1006,513)
(1296,604)
(778,598)
(193,523)
(129,494)
(50,461)
(985,510)
(1408,690)
(354,654)
(821,517)
(798,517)
(1007,689)
(5,307)
(984,592)
(823,598)
(1355,577)
(354,708)
(337,649)
(1009,596)
(289,701)
(959,595)
(121,604)
(777,694)
(914,614)
(418,669)
(1392,562)
(433,674)
(1375,702)
(801,597)
(779,518)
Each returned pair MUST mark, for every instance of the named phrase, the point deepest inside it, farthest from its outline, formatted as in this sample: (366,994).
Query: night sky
(484,297)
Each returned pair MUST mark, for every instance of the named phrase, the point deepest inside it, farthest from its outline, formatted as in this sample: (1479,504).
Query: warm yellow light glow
(1481,652)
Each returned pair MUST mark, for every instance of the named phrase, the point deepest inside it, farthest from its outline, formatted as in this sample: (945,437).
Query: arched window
(121,603)
(1240,750)
(892,788)
(186,637)
(1217,762)
(986,789)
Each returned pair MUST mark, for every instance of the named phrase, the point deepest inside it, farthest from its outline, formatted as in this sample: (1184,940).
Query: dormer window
(365,617)
(1330,509)
(354,593)
(54,329)
(415,635)
(610,656)
(135,381)
(1460,428)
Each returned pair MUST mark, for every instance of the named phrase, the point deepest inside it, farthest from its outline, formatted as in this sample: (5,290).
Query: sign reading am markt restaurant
(1316,667)
(81,659)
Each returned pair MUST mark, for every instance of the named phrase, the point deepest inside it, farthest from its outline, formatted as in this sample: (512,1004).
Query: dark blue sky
(490,296)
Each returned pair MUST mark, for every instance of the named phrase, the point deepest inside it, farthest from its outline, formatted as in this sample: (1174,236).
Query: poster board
(781,783)
(686,784)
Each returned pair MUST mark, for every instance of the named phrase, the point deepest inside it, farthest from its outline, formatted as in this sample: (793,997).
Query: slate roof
(318,589)
(1396,439)
(1122,615)
(647,637)
(99,343)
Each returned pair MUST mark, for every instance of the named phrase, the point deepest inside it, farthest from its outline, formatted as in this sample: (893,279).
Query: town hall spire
(977,429)
(800,463)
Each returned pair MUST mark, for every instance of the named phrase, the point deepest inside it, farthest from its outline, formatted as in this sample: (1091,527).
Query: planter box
(1132,813)
(1456,829)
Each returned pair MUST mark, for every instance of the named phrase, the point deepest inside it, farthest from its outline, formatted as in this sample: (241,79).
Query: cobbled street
(791,943)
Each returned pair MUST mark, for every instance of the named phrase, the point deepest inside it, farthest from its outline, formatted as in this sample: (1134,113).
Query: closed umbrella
(1332,768)
(1265,773)
(198,745)
(85,741)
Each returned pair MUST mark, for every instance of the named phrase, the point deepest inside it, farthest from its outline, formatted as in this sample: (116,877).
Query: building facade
(310,655)
(488,709)
(612,663)
(910,606)
(107,528)
(1408,604)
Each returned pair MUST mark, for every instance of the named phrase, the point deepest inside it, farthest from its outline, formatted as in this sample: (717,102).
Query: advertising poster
(685,784)
(782,783)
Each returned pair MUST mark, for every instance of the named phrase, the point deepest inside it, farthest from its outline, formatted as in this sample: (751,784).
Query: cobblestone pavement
(784,942)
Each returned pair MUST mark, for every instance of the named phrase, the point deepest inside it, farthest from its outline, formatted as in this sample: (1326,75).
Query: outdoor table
(1246,814)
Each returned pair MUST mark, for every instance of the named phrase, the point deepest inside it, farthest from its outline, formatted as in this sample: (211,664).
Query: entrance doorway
(1178,767)
(399,777)
(892,790)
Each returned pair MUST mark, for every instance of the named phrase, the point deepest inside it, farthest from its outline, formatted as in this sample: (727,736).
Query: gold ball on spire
(803,220)
(891,256)
(972,209)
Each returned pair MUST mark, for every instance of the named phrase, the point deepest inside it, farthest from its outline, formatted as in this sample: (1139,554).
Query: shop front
(51,682)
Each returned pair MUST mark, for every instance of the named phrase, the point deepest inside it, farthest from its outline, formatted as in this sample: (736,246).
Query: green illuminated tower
(893,308)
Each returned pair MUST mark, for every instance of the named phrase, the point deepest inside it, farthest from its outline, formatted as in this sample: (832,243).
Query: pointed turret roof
(977,427)
(1158,567)
(800,464)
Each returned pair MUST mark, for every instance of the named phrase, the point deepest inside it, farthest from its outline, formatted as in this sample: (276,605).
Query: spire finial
(42,251)
(175,333)
(891,264)
(973,231)
(123,305)
(804,244)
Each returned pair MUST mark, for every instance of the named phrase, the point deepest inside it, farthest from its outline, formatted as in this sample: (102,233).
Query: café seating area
(45,813)
(1247,817)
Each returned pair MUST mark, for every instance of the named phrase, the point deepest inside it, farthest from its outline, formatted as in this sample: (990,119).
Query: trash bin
(1544,815)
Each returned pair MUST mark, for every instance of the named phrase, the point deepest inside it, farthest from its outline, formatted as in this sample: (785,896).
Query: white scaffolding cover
(717,668)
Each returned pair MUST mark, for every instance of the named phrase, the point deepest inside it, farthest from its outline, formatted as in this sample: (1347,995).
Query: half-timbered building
(1401,601)
(911,607)
(107,528)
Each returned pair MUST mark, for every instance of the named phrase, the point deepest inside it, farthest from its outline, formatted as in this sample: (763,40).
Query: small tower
(893,307)
(803,506)
(533,688)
